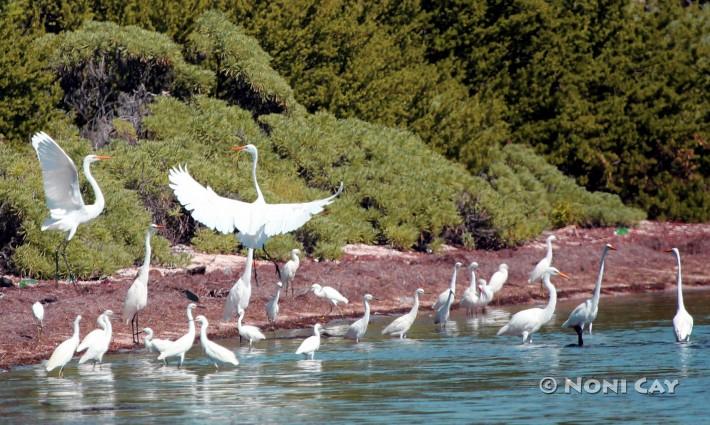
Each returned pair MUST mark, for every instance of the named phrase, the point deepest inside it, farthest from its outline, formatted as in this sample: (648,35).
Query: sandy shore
(639,265)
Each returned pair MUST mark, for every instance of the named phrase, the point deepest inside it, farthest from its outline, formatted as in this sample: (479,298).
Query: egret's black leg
(70,275)
(580,341)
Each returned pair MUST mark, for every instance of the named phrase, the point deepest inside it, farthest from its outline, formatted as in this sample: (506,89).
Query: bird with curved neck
(358,329)
(249,332)
(182,345)
(542,265)
(469,301)
(272,307)
(442,313)
(499,278)
(67,209)
(288,272)
(137,295)
(64,351)
(96,342)
(526,322)
(443,297)
(310,345)
(240,293)
(486,294)
(400,326)
(331,294)
(585,313)
(216,352)
(682,321)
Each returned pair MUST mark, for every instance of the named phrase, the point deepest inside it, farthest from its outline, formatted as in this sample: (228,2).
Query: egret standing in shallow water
(358,329)
(330,294)
(96,342)
(240,293)
(585,313)
(469,301)
(499,278)
(38,312)
(214,351)
(252,333)
(442,313)
(310,345)
(486,294)
(64,351)
(444,296)
(683,321)
(272,307)
(288,272)
(154,344)
(137,295)
(63,195)
(526,322)
(400,326)
(539,271)
(182,345)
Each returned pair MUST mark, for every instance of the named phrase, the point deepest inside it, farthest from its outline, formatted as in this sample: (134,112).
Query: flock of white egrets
(255,223)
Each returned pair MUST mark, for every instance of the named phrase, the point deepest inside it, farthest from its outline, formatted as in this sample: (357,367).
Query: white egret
(62,192)
(240,293)
(526,322)
(486,294)
(96,342)
(154,344)
(182,345)
(64,351)
(358,329)
(539,271)
(331,294)
(400,326)
(585,313)
(252,333)
(499,278)
(683,321)
(272,307)
(444,296)
(442,313)
(469,301)
(214,351)
(310,345)
(288,271)
(137,295)
(38,312)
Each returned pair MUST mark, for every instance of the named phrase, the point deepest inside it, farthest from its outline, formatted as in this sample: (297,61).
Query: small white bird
(542,265)
(214,351)
(358,329)
(240,293)
(310,345)
(444,296)
(526,322)
(182,345)
(272,307)
(330,294)
(683,321)
(400,326)
(154,344)
(96,342)
(469,301)
(442,313)
(585,313)
(499,278)
(288,272)
(486,294)
(64,351)
(38,312)
(137,295)
(252,333)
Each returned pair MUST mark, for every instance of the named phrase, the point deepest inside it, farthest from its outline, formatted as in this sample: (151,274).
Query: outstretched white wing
(61,180)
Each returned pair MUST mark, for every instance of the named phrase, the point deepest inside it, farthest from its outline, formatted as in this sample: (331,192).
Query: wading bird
(499,278)
(63,195)
(96,342)
(544,264)
(486,294)
(64,351)
(469,301)
(310,345)
(444,296)
(38,313)
(358,329)
(137,295)
(214,351)
(683,321)
(400,326)
(240,293)
(442,313)
(182,345)
(330,294)
(272,307)
(526,322)
(288,272)
(585,313)
(252,333)
(154,344)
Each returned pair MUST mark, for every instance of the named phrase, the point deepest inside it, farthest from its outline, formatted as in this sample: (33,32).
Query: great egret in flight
(214,351)
(137,295)
(469,301)
(272,307)
(96,342)
(252,333)
(400,326)
(62,193)
(330,294)
(499,278)
(358,329)
(526,322)
(444,296)
(64,351)
(182,345)
(683,321)
(288,272)
(585,313)
(310,345)
(539,271)
(38,313)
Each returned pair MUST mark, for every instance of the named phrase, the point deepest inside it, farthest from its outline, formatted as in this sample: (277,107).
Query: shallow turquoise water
(461,374)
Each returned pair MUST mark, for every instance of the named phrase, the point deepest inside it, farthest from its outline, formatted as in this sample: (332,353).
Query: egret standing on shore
(38,312)
(310,345)
(331,294)
(272,307)
(96,342)
(358,329)
(400,326)
(214,351)
(63,195)
(288,272)
(683,321)
(64,351)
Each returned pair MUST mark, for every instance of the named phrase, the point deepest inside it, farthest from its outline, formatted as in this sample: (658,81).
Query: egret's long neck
(681,305)
(278,294)
(415,306)
(246,276)
(255,160)
(552,302)
(108,328)
(598,286)
(99,201)
(148,336)
(239,322)
(203,333)
(367,311)
(190,322)
(145,268)
(75,335)
(548,256)
(473,282)
(452,285)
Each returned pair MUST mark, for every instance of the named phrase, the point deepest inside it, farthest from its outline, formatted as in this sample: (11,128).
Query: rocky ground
(639,265)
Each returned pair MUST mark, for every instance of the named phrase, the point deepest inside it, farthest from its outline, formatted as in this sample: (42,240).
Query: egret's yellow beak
(238,148)
(102,157)
(612,247)
(564,275)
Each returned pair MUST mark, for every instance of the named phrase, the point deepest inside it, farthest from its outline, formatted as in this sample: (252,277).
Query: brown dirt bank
(639,265)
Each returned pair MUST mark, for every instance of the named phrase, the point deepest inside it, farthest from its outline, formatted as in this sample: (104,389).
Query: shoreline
(638,266)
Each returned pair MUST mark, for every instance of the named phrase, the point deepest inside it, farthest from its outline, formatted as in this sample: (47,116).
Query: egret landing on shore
(64,351)
(310,345)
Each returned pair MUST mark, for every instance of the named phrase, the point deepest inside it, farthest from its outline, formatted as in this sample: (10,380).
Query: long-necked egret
(182,345)
(526,322)
(469,301)
(272,307)
(252,333)
(539,271)
(214,351)
(585,313)
(442,313)
(499,278)
(358,329)
(486,294)
(288,271)
(240,293)
(310,345)
(331,294)
(682,321)
(153,344)
(96,342)
(137,295)
(444,296)
(64,351)
(400,326)
(62,192)
(38,313)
